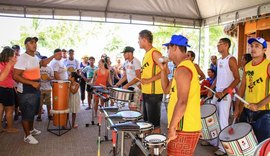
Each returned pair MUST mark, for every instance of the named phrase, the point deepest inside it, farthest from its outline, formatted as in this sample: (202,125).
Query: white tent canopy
(194,13)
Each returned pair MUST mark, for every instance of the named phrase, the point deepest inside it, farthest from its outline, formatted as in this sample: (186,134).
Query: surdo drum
(60,92)
(241,142)
(209,120)
(263,149)
(122,94)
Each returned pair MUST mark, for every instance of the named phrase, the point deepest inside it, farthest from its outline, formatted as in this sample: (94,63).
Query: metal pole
(122,143)
(200,37)
(139,144)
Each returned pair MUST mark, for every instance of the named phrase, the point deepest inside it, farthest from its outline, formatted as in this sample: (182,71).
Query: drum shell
(59,119)
(60,92)
(122,94)
(210,124)
(145,130)
(245,145)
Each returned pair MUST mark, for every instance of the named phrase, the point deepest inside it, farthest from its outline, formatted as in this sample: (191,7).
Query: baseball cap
(258,39)
(16,47)
(128,49)
(30,39)
(179,40)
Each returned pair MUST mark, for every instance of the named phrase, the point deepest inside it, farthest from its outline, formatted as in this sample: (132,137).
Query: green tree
(61,34)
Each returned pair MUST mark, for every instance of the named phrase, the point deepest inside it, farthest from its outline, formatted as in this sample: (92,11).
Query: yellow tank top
(149,69)
(257,83)
(191,121)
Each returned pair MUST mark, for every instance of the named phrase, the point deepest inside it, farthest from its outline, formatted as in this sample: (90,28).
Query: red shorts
(184,144)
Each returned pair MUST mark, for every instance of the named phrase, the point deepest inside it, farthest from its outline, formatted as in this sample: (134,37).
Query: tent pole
(200,37)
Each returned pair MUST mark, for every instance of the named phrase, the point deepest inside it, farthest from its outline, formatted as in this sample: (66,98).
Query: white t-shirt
(46,72)
(130,68)
(60,68)
(71,65)
(30,66)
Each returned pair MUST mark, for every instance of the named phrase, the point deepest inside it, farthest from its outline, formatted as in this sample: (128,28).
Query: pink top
(8,81)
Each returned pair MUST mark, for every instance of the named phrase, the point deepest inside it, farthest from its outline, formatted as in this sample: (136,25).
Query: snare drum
(210,124)
(155,141)
(60,94)
(144,128)
(130,115)
(241,142)
(263,149)
(122,94)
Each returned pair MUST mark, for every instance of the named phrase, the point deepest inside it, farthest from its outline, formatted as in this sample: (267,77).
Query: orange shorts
(184,144)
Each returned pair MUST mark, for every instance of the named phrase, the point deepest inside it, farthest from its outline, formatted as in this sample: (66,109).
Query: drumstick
(210,89)
(203,100)
(138,79)
(231,131)
(231,91)
(219,99)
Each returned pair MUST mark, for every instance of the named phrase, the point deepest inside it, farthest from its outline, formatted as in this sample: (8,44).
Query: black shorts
(151,108)
(29,105)
(89,88)
(7,96)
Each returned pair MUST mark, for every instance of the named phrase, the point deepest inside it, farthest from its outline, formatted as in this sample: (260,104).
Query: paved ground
(81,141)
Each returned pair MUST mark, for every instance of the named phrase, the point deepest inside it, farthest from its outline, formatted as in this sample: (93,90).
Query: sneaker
(39,118)
(35,132)
(219,152)
(30,140)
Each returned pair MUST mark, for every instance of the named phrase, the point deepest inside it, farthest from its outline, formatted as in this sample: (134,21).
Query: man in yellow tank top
(150,80)
(184,119)
(255,86)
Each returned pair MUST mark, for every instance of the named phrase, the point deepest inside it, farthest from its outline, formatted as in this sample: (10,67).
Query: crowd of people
(25,85)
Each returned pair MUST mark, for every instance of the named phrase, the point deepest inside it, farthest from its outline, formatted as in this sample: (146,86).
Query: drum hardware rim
(123,90)
(164,142)
(250,131)
(60,81)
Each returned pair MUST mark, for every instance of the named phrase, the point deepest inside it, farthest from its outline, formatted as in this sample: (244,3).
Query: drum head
(144,125)
(122,90)
(207,110)
(129,114)
(240,130)
(155,138)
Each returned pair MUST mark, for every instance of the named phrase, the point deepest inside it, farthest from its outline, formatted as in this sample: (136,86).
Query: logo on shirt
(145,65)
(252,83)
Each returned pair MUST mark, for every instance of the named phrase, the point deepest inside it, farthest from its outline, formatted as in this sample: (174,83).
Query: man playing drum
(132,72)
(255,86)
(27,73)
(227,78)
(184,119)
(150,82)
